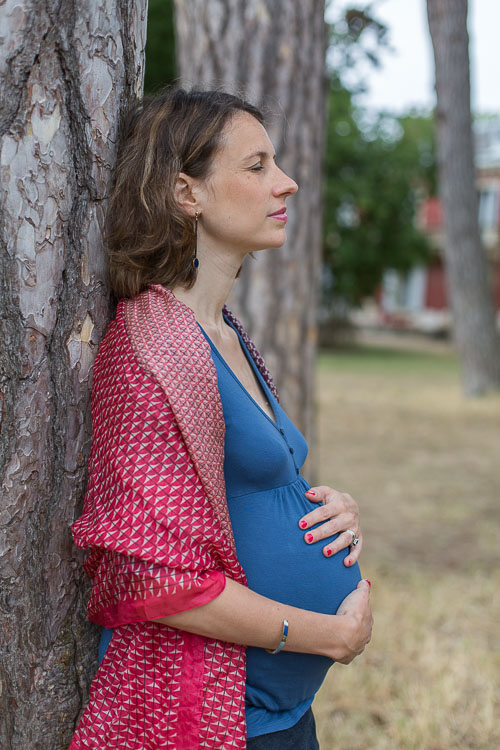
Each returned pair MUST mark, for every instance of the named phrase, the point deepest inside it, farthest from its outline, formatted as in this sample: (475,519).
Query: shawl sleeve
(152,533)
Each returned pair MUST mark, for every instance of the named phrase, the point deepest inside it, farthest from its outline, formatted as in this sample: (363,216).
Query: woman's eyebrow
(260,154)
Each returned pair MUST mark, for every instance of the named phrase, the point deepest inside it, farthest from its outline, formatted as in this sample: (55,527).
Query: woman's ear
(184,193)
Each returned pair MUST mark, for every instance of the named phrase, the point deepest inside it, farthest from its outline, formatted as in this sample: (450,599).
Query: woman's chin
(268,242)
(277,241)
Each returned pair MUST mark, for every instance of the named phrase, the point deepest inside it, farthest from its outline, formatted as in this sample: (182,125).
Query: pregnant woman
(221,617)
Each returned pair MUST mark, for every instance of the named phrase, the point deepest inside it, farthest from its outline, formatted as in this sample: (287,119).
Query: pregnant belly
(280,565)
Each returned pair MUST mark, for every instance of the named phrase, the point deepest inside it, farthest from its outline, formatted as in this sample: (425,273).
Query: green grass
(374,358)
(395,431)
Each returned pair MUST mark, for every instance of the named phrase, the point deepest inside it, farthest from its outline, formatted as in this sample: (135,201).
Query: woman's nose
(285,185)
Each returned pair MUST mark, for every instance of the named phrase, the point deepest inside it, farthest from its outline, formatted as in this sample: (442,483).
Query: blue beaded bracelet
(283,639)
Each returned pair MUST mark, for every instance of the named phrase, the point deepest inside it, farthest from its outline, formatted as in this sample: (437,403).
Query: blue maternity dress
(265,495)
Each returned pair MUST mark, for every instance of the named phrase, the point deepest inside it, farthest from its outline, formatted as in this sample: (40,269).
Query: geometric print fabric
(155,518)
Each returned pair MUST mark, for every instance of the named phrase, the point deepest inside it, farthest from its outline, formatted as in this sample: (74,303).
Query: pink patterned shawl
(156,520)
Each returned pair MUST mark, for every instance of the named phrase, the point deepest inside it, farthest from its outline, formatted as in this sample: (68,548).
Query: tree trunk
(273,51)
(477,340)
(68,69)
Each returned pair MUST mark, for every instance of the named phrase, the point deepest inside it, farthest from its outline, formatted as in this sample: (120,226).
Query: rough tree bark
(68,68)
(273,51)
(477,340)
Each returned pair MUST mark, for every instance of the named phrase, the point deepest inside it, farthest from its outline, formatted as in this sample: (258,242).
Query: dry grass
(424,465)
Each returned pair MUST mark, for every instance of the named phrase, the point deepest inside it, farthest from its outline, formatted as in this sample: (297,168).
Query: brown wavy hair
(149,238)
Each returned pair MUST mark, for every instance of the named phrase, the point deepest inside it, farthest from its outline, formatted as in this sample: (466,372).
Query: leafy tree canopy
(376,170)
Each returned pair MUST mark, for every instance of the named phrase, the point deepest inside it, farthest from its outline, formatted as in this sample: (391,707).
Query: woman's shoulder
(165,336)
(138,323)
(155,336)
(117,358)
(121,385)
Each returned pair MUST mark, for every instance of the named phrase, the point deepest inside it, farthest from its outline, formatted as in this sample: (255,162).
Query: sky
(406,77)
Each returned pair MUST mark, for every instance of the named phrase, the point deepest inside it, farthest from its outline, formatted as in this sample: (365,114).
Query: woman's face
(242,201)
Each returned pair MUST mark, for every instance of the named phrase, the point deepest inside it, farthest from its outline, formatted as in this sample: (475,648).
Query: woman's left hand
(339,512)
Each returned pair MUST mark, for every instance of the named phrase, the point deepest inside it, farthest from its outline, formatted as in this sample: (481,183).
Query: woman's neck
(206,298)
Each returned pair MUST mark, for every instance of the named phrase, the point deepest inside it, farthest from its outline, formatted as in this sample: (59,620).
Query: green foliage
(160,46)
(375,172)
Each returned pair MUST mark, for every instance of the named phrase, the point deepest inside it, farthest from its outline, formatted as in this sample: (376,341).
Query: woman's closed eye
(257,167)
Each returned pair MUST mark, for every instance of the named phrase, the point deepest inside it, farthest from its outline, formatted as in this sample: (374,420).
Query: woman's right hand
(357,625)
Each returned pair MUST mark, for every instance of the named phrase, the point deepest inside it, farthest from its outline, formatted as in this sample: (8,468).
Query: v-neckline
(252,365)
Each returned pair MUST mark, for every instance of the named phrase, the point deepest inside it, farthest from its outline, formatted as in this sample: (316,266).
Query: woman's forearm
(239,615)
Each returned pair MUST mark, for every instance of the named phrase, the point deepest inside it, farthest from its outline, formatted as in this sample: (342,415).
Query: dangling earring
(195,262)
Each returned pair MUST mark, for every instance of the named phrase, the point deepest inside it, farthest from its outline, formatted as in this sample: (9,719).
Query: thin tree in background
(476,337)
(68,70)
(273,51)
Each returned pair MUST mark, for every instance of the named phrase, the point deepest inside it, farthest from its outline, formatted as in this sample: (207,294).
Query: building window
(488,208)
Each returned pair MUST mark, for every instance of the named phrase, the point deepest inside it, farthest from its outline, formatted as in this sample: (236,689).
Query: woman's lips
(280,215)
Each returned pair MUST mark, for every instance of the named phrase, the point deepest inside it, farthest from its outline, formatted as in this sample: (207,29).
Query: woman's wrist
(323,635)
(341,636)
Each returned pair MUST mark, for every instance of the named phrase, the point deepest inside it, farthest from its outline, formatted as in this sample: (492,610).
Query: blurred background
(406,420)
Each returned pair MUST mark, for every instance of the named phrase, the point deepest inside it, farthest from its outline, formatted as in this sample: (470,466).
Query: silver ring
(355,539)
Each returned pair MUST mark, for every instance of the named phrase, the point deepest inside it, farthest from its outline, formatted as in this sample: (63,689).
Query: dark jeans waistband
(302,736)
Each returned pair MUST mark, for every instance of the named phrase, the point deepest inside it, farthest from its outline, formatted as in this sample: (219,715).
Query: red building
(419,300)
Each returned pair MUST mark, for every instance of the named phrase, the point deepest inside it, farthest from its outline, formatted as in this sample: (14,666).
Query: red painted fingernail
(303,524)
(328,552)
(348,560)
(368,582)
(309,537)
(310,492)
